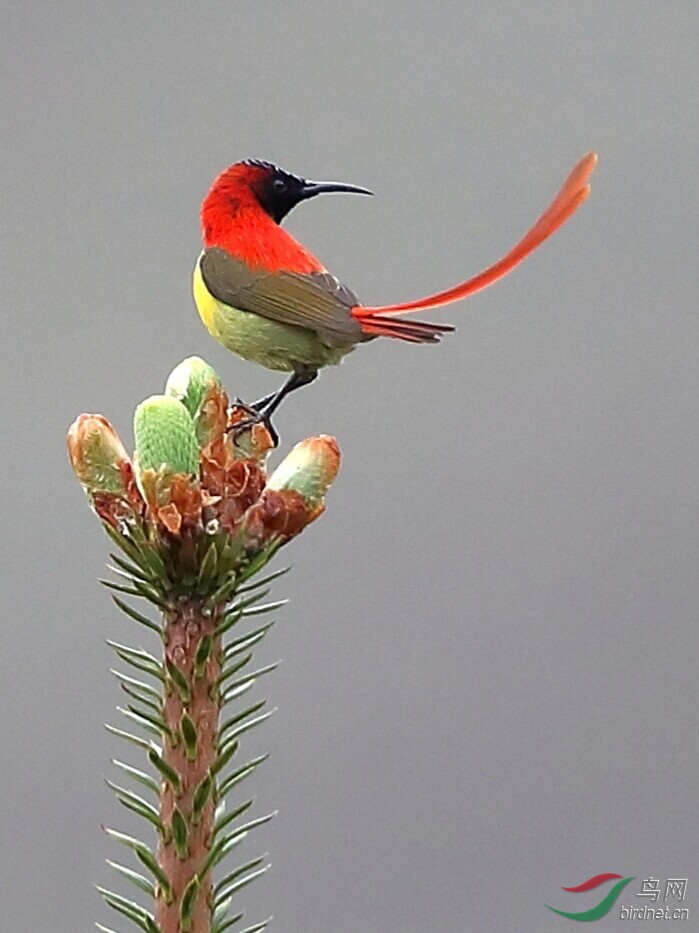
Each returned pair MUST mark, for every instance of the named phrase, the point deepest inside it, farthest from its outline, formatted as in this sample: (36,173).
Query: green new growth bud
(199,388)
(190,381)
(309,469)
(97,455)
(165,437)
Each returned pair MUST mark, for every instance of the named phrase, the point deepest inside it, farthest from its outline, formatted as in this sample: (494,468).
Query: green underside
(282,347)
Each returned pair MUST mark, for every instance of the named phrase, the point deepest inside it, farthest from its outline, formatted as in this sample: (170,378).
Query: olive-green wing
(317,301)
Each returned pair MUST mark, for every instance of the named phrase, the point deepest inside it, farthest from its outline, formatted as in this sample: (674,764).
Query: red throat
(233,219)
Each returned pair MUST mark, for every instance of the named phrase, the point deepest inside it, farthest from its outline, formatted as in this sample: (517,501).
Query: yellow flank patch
(205,301)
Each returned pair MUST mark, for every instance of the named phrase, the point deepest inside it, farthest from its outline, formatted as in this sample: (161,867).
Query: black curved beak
(312,188)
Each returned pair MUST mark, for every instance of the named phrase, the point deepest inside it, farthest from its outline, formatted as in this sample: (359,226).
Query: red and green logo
(605,905)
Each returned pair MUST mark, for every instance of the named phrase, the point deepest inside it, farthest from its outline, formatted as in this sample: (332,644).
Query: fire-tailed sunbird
(264,296)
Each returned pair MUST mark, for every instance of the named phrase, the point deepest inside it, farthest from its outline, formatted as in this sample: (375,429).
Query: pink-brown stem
(183,633)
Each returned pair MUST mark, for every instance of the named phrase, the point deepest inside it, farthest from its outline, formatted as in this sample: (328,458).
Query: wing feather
(317,301)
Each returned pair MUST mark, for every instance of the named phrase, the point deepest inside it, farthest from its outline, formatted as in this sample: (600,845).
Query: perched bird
(264,296)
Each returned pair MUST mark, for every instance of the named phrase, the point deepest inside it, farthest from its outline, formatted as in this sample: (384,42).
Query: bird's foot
(252,408)
(253,417)
(249,408)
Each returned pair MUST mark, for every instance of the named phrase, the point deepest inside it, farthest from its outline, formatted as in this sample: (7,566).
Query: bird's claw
(253,417)
(250,408)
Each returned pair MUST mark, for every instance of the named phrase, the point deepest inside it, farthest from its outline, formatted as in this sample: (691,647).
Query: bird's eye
(279,184)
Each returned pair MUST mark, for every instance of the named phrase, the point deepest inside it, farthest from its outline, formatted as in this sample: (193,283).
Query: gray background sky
(489,684)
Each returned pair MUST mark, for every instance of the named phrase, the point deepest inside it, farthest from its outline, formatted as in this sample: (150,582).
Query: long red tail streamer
(574,191)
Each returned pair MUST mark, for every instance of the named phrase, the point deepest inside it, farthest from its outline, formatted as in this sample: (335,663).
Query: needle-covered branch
(193,517)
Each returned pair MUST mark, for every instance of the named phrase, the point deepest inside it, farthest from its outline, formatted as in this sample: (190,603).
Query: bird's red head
(254,185)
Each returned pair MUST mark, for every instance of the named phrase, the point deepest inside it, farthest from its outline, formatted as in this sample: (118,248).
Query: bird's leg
(299,378)
(261,402)
(265,407)
(251,408)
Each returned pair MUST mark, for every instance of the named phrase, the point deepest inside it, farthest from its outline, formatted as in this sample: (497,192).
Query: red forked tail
(376,321)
